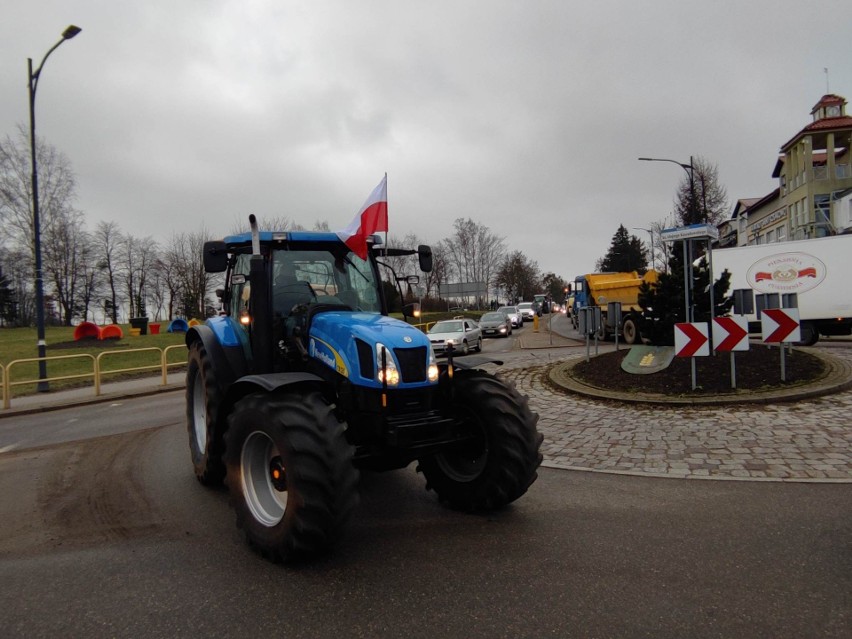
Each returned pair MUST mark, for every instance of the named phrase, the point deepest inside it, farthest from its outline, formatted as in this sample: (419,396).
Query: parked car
(495,323)
(527,310)
(464,334)
(514,315)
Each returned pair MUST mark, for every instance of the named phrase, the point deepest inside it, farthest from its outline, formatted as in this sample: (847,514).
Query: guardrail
(97,373)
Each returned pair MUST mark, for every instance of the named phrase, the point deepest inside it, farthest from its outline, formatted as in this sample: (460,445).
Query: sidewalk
(112,391)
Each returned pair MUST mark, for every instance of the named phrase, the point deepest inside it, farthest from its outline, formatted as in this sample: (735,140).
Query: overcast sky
(526,116)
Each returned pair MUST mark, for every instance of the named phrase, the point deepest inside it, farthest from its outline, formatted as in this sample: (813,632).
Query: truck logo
(786,273)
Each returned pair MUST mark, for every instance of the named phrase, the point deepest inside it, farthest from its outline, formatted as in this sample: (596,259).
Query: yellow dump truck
(599,289)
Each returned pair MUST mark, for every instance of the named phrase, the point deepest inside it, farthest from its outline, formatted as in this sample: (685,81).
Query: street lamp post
(690,170)
(32,82)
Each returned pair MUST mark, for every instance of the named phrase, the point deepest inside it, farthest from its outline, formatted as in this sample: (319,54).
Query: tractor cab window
(302,277)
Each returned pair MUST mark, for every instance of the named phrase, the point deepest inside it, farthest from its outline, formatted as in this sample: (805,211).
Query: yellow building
(814,194)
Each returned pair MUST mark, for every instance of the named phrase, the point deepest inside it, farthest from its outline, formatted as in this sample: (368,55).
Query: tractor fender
(268,383)
(228,360)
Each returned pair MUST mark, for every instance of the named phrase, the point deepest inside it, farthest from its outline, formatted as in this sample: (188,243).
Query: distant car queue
(464,335)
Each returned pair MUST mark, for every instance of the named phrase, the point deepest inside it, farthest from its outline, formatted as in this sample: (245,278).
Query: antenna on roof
(826,80)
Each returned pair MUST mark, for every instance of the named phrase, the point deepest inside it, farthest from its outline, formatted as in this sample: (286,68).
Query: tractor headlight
(432,371)
(387,372)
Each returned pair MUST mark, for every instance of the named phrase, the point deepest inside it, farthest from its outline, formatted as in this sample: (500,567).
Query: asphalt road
(109,535)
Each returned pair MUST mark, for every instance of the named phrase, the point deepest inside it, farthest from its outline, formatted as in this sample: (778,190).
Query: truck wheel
(498,464)
(203,399)
(809,334)
(630,331)
(290,473)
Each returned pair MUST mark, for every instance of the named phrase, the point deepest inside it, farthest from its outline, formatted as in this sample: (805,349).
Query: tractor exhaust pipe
(255,235)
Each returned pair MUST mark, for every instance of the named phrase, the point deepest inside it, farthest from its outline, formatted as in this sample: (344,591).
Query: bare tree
(181,269)
(137,257)
(107,240)
(474,251)
(700,197)
(67,252)
(56,182)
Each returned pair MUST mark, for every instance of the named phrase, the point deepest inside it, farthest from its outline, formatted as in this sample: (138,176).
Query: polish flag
(372,217)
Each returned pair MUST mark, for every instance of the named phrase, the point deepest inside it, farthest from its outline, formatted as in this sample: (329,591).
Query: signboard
(465,288)
(780,325)
(692,339)
(691,232)
(730,333)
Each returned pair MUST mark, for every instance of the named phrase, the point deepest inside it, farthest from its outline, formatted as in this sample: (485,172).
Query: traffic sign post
(692,340)
(731,334)
(778,326)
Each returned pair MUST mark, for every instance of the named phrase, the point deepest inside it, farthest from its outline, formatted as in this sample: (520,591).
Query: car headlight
(451,341)
(386,370)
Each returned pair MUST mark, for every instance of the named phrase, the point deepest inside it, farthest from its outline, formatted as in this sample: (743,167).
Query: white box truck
(817,271)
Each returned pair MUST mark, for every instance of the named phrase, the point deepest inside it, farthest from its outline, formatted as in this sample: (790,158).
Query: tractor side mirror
(215,256)
(424,255)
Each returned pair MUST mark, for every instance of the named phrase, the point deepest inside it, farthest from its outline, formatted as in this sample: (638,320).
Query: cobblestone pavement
(807,440)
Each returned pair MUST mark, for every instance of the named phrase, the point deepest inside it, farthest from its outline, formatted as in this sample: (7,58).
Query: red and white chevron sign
(780,325)
(691,340)
(730,333)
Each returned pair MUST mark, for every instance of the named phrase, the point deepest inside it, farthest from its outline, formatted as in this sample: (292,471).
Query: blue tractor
(304,379)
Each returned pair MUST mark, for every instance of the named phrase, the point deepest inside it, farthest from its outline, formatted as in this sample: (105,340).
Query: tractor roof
(269,237)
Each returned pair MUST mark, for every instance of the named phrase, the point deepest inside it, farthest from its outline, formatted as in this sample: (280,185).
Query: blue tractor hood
(334,336)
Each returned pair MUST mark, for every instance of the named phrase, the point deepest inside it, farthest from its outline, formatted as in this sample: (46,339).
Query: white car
(514,315)
(527,309)
(462,333)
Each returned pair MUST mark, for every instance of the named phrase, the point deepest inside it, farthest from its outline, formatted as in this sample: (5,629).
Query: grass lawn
(76,363)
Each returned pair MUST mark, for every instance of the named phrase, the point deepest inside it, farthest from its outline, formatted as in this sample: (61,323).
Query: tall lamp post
(33,77)
(690,170)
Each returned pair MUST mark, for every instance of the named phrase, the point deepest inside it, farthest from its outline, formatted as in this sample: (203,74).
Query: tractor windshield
(323,277)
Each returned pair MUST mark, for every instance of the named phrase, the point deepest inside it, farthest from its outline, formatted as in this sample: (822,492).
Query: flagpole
(387,229)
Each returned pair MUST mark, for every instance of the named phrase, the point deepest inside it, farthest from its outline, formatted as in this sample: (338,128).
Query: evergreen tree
(8,302)
(625,254)
(663,303)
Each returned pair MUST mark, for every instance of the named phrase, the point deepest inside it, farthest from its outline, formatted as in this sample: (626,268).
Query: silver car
(514,315)
(462,333)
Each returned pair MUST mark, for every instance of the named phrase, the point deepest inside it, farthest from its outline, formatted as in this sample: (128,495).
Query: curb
(838,377)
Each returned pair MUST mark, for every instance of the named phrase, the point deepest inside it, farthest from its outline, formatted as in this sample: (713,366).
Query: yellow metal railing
(7,377)
(97,373)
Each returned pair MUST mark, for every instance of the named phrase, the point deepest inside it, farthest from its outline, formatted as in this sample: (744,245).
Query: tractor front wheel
(203,399)
(499,461)
(290,473)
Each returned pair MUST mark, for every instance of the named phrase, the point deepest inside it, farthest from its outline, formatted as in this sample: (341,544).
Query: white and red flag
(372,217)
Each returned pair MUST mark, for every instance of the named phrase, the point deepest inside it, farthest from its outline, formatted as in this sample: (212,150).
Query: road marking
(6,449)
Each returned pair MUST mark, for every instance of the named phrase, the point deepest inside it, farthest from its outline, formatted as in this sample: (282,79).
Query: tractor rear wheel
(203,399)
(290,474)
(499,461)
